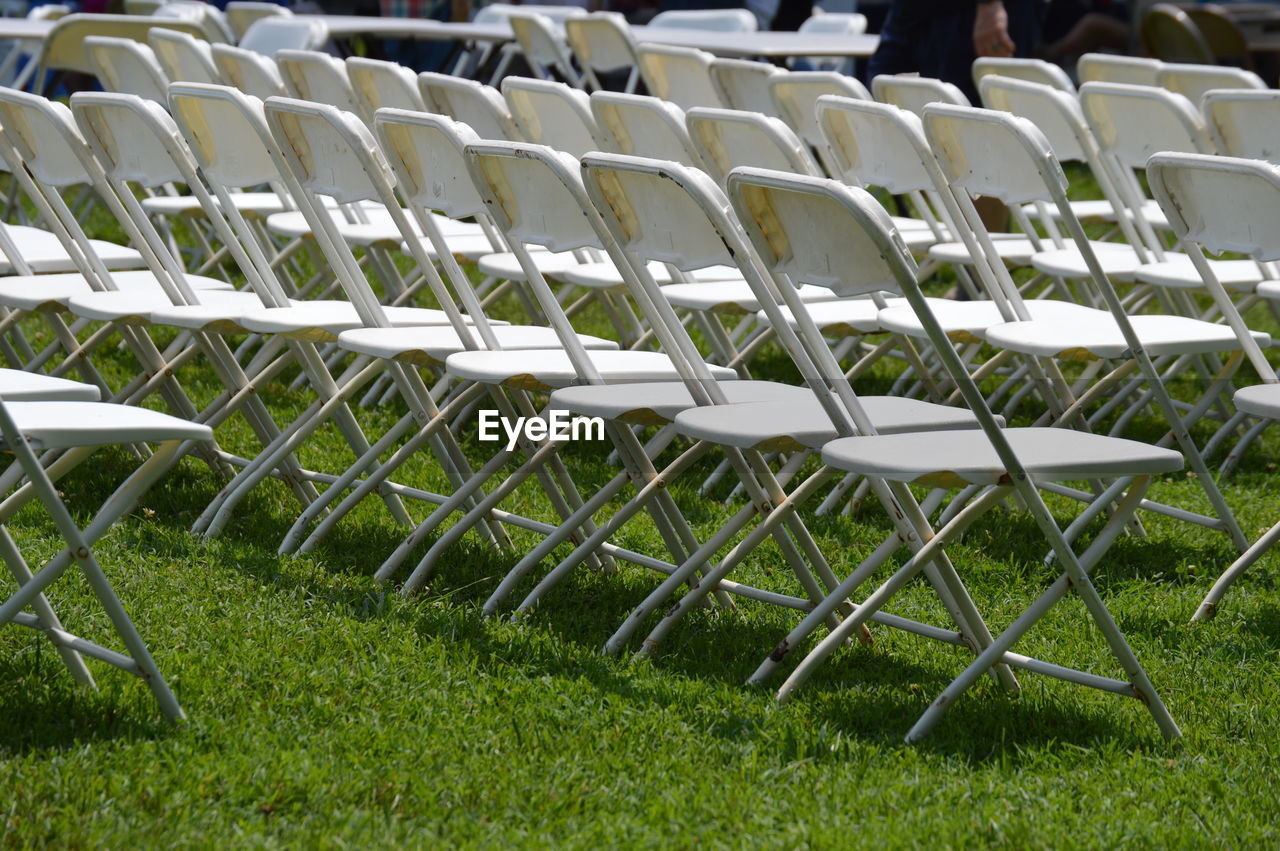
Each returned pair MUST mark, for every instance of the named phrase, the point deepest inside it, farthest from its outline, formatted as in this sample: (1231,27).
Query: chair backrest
(876,144)
(315,76)
(1056,113)
(541,45)
(1134,122)
(1168,33)
(535,198)
(251,72)
(552,114)
(1222,204)
(1192,81)
(1244,122)
(744,84)
(142,7)
(184,57)
(64,49)
(242,14)
(271,35)
(726,139)
(681,75)
(1223,35)
(915,93)
(208,17)
(601,41)
(331,153)
(1031,70)
(1114,68)
(124,65)
(835,23)
(427,153)
(642,126)
(48,12)
(480,107)
(716,20)
(795,96)
(379,84)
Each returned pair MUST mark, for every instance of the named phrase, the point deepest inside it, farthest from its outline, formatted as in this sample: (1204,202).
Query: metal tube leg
(1209,606)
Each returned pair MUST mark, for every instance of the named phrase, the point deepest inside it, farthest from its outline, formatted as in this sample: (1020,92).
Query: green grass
(326,710)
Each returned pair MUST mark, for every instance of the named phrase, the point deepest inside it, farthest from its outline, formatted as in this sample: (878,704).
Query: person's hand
(991,30)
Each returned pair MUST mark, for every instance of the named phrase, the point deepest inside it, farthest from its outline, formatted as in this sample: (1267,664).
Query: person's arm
(991,30)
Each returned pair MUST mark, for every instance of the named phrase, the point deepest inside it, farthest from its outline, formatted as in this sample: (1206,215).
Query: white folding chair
(681,75)
(602,42)
(795,97)
(744,84)
(715,20)
(643,126)
(124,65)
(312,75)
(271,35)
(1219,204)
(1192,81)
(835,224)
(207,16)
(914,93)
(832,23)
(378,84)
(77,429)
(242,14)
(543,48)
(1115,68)
(1031,70)
(552,114)
(478,106)
(183,57)
(251,72)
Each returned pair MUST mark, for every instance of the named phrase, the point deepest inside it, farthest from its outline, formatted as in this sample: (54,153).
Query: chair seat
(380,228)
(16,385)
(219,313)
(659,402)
(1118,261)
(140,306)
(964,457)
(36,292)
(472,246)
(605,275)
(1099,337)
(1012,247)
(548,370)
(1102,209)
(323,321)
(966,320)
(44,254)
(59,425)
(731,296)
(262,203)
(505,267)
(1269,289)
(802,422)
(1177,271)
(429,346)
(846,317)
(1261,400)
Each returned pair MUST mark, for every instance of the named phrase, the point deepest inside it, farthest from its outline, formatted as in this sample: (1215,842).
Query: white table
(770,45)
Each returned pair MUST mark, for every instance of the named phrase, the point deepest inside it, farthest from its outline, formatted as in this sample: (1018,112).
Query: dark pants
(941,45)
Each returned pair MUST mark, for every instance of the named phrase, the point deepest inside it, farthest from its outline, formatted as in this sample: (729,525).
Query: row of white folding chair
(656,223)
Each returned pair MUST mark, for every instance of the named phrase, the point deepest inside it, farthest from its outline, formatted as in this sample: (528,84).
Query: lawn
(326,710)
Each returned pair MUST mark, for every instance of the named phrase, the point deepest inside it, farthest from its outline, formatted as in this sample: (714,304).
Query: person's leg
(898,50)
